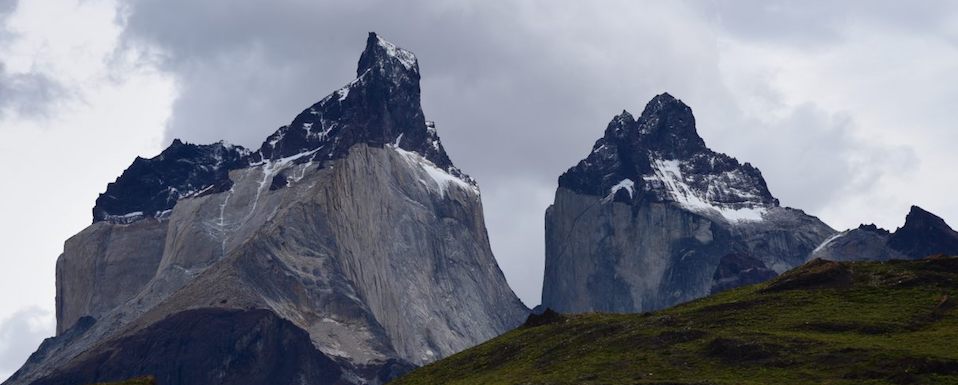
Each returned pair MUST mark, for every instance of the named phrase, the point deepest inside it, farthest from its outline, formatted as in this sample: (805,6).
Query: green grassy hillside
(823,323)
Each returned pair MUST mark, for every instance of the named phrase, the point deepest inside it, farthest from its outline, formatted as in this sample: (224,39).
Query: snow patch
(439,177)
(129,215)
(124,218)
(407,58)
(343,92)
(270,169)
(827,241)
(627,184)
(669,172)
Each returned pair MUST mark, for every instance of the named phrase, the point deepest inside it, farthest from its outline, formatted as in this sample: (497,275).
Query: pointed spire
(667,124)
(924,234)
(919,217)
(620,124)
(384,56)
(663,103)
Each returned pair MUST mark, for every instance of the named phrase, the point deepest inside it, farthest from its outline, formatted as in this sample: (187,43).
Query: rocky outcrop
(923,234)
(645,220)
(265,349)
(736,270)
(348,231)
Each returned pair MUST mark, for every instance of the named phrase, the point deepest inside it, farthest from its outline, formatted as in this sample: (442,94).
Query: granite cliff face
(923,234)
(348,239)
(652,217)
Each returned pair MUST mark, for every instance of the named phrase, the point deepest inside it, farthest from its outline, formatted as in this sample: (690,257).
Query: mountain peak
(924,234)
(664,98)
(385,56)
(919,219)
(621,125)
(661,154)
(661,103)
(380,108)
(667,125)
(918,215)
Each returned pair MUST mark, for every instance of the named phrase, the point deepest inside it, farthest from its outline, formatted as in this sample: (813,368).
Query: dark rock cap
(665,131)
(381,107)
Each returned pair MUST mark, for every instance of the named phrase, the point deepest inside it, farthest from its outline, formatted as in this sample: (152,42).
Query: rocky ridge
(923,234)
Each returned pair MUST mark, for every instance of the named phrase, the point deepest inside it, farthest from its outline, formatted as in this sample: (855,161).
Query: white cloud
(109,110)
(881,89)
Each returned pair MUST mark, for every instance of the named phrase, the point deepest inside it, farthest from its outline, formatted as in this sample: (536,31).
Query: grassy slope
(823,323)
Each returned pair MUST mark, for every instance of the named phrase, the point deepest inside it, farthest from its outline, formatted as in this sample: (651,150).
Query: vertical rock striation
(348,239)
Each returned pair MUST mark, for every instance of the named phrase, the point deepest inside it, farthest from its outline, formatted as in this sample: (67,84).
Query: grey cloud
(811,158)
(24,94)
(30,94)
(820,23)
(519,90)
(7,6)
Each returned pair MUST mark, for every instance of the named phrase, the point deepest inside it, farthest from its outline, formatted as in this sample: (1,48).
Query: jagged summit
(660,156)
(381,55)
(380,108)
(873,228)
(924,234)
(919,218)
(668,126)
(149,187)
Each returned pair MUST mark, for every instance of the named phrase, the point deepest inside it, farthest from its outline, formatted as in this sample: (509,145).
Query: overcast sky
(846,107)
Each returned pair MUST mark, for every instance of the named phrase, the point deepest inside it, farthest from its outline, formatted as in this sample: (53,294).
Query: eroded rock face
(645,220)
(104,266)
(349,230)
